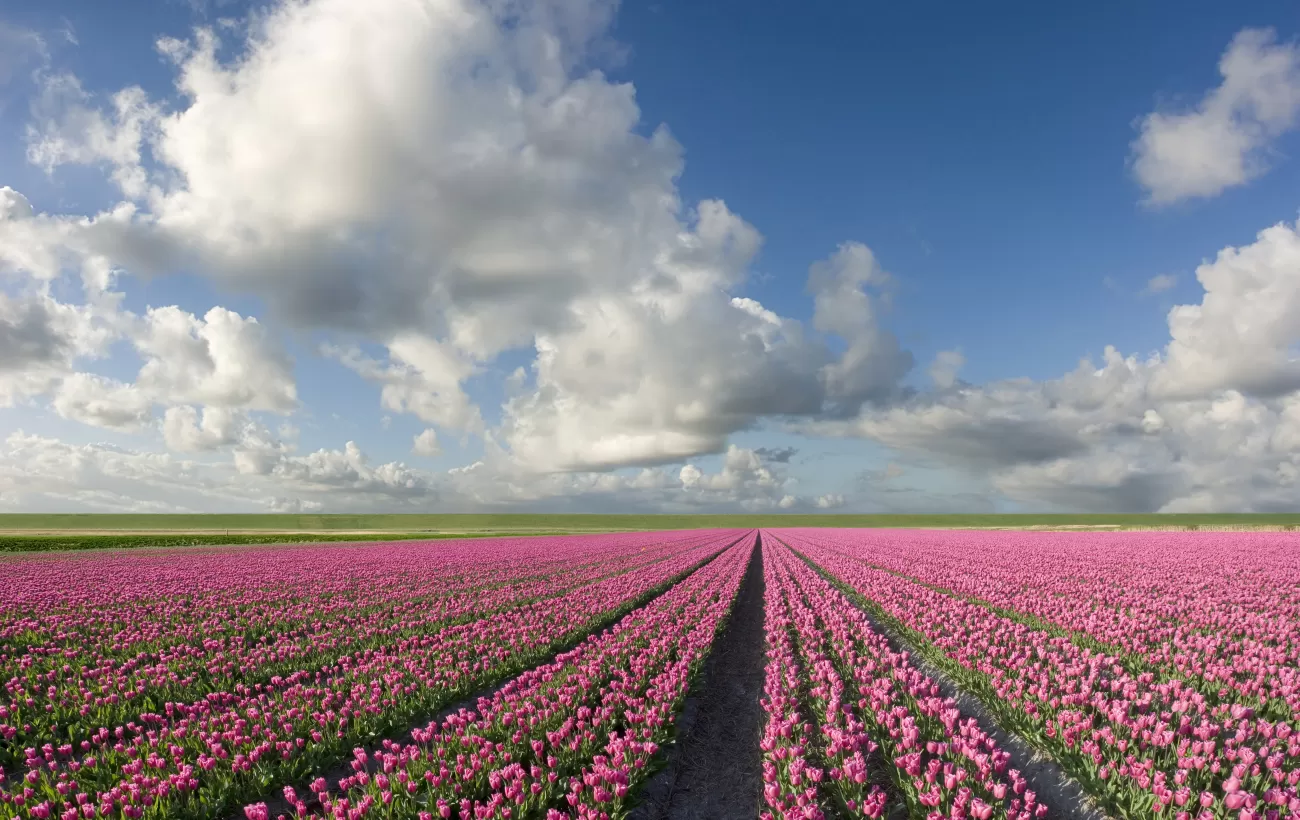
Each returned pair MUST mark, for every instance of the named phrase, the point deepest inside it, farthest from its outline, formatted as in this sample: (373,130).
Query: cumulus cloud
(1243,333)
(1210,422)
(454,182)
(279,504)
(223,359)
(674,374)
(746,479)
(27,335)
(41,339)
(37,332)
(186,429)
(41,473)
(422,377)
(349,470)
(873,363)
(426,444)
(1223,141)
(442,188)
(102,402)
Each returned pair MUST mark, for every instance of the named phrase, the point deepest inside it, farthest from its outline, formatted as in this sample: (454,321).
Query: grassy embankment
(37,532)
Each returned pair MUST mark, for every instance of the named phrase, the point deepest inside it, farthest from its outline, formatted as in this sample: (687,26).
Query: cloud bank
(438,187)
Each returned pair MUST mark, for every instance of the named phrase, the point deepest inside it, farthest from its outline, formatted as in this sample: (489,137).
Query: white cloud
(690,476)
(1242,335)
(223,359)
(350,169)
(872,365)
(43,474)
(1152,422)
(102,402)
(450,185)
(1161,283)
(40,339)
(746,479)
(293,505)
(468,468)
(426,444)
(20,49)
(1212,422)
(348,470)
(39,473)
(943,370)
(1223,141)
(422,377)
(185,430)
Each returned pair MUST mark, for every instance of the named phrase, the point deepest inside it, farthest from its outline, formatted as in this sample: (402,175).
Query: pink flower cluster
(882,727)
(1143,738)
(570,738)
(1220,611)
(791,776)
(239,669)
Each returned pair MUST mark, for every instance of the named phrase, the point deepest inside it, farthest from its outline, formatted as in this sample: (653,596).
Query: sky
(576,255)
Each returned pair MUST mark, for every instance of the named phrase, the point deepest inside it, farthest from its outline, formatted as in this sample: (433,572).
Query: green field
(23,532)
(604,523)
(54,542)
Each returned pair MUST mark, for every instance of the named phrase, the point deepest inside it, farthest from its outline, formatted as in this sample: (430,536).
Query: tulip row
(110,653)
(882,727)
(129,693)
(204,758)
(1139,746)
(791,774)
(1220,611)
(569,738)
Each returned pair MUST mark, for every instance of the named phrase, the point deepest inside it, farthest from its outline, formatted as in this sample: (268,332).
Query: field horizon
(22,532)
(438,523)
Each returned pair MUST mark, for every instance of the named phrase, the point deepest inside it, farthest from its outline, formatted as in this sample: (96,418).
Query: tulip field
(906,673)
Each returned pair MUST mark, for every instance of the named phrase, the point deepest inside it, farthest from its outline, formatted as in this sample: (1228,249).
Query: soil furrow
(714,770)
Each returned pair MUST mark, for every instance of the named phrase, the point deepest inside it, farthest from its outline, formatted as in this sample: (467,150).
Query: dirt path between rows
(715,769)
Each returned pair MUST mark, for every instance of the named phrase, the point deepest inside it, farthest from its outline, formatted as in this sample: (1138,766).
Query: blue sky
(983,154)
(990,162)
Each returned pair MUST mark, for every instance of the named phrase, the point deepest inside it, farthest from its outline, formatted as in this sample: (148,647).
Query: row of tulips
(1141,747)
(204,758)
(570,738)
(880,722)
(792,773)
(1220,611)
(90,654)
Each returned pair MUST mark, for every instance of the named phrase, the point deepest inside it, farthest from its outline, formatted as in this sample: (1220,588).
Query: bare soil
(714,771)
